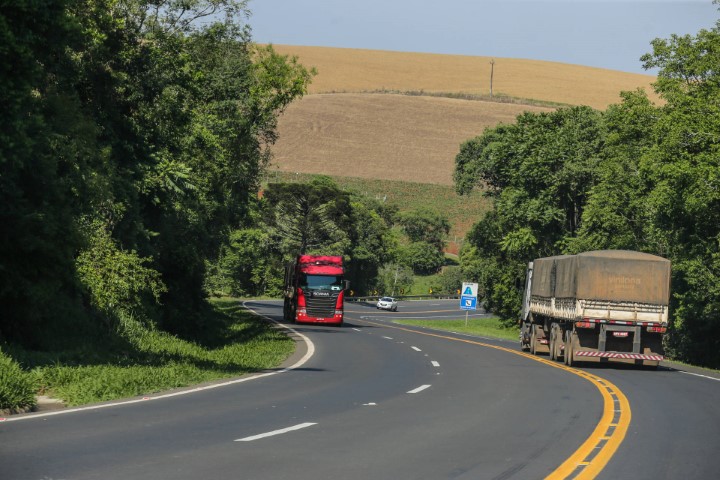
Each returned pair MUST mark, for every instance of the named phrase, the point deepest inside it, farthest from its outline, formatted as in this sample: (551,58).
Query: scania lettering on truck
(315,290)
(600,306)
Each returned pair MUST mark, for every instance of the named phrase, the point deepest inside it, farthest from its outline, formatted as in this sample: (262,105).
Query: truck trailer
(600,306)
(315,290)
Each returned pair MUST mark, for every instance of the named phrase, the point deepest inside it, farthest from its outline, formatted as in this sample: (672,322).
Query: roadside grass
(233,342)
(482,327)
(423,284)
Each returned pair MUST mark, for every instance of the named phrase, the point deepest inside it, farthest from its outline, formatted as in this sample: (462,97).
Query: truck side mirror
(347,284)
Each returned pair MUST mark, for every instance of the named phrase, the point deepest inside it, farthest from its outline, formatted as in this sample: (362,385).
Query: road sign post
(468,298)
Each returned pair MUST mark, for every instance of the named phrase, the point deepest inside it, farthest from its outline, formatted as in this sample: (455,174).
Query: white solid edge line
(310,352)
(275,432)
(419,389)
(698,375)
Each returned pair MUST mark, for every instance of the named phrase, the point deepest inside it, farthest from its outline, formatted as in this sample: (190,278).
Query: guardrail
(375,298)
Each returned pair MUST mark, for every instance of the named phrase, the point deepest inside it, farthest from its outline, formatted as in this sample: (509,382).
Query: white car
(387,303)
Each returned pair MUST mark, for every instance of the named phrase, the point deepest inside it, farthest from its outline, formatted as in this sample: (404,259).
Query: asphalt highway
(376,400)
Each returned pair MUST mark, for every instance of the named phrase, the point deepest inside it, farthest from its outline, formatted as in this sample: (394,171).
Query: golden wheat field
(355,70)
(344,127)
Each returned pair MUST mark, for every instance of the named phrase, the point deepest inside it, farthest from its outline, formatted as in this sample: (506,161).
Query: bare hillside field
(391,137)
(355,70)
(343,129)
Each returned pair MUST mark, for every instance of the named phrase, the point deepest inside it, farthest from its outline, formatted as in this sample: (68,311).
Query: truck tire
(559,344)
(533,340)
(569,349)
(523,330)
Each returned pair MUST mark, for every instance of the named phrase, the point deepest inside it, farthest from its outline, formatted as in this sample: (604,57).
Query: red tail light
(657,329)
(585,325)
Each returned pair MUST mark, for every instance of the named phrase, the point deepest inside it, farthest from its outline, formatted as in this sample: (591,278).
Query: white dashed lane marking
(275,432)
(419,389)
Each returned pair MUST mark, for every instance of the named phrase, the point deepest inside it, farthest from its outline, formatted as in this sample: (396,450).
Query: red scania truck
(600,306)
(315,290)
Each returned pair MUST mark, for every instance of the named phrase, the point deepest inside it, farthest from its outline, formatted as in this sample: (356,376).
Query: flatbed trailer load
(600,306)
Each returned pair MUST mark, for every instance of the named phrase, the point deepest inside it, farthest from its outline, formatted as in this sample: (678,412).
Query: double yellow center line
(592,456)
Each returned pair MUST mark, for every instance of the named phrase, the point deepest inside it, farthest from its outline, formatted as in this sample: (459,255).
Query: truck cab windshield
(321,282)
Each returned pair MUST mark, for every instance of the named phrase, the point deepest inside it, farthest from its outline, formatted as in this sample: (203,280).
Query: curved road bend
(374,402)
(675,427)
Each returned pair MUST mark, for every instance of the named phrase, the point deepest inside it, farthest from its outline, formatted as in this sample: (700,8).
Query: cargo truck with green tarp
(601,306)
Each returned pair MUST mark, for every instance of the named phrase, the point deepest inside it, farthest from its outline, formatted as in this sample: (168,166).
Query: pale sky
(600,33)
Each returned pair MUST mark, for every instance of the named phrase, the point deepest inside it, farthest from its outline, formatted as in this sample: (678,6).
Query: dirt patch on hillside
(393,137)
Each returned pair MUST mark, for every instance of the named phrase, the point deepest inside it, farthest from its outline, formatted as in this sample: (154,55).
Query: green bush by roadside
(17,388)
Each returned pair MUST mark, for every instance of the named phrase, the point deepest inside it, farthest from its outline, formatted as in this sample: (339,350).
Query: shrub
(17,388)
(422,257)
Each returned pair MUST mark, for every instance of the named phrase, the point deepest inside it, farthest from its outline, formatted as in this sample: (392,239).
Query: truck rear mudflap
(618,343)
(618,355)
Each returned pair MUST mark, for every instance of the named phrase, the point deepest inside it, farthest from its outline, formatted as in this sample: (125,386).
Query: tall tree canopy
(638,176)
(538,172)
(132,130)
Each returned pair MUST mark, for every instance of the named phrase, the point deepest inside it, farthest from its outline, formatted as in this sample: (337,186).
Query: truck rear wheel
(533,340)
(553,341)
(557,336)
(569,361)
(559,352)
(524,342)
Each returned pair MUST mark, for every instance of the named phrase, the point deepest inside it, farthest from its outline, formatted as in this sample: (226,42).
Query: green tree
(422,257)
(371,242)
(248,265)
(682,174)
(394,278)
(309,217)
(152,120)
(538,172)
(41,136)
(425,225)
(451,280)
(615,214)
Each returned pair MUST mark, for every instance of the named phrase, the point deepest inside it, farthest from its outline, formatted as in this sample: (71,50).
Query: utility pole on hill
(492,71)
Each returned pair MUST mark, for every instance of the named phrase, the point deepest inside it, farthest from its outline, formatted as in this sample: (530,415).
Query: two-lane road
(371,400)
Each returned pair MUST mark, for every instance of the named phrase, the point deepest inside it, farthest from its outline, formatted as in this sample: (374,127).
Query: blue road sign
(468,303)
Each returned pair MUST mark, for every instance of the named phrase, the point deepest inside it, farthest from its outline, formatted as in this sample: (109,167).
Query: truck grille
(320,307)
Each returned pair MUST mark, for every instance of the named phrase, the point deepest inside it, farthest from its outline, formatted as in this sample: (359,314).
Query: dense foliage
(637,176)
(319,217)
(132,141)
